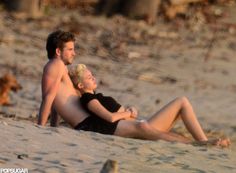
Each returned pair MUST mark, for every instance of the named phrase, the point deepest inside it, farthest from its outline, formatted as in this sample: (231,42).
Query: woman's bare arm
(96,107)
(133,110)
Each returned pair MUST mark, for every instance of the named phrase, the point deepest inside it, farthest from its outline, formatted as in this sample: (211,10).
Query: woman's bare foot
(223,142)
(217,142)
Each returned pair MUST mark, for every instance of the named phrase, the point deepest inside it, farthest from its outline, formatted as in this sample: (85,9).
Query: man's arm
(50,83)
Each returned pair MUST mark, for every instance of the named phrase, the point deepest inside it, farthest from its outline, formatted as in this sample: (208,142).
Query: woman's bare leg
(164,119)
(143,130)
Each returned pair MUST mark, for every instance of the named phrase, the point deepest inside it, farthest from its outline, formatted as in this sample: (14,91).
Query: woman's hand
(134,112)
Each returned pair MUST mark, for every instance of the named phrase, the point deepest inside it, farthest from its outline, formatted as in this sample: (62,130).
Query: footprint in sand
(181,152)
(166,159)
(76,160)
(71,144)
(153,160)
(47,133)
(42,153)
(187,167)
(37,158)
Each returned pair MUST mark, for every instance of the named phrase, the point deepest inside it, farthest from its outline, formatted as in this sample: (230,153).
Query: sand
(140,65)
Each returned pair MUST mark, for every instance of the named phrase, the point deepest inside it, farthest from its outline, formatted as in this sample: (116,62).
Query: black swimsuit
(94,122)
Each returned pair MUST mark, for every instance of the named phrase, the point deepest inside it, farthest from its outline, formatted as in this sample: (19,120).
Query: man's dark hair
(57,39)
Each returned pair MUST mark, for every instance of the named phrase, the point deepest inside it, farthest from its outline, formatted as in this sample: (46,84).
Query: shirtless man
(58,93)
(60,97)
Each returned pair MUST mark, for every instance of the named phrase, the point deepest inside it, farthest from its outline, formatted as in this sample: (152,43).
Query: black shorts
(96,124)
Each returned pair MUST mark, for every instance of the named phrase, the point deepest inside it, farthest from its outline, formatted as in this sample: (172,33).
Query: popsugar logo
(13,170)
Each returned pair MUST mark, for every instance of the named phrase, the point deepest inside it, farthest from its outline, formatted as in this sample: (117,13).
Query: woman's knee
(183,100)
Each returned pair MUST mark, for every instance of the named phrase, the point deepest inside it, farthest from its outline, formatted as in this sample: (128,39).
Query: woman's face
(88,81)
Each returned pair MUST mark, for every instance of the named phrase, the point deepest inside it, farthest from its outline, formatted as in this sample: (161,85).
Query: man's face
(68,53)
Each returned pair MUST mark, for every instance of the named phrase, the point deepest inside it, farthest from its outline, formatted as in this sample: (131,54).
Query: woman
(109,117)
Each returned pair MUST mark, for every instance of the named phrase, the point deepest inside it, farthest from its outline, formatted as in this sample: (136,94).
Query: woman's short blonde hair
(76,73)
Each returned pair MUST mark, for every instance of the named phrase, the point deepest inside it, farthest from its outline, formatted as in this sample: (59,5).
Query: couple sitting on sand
(95,112)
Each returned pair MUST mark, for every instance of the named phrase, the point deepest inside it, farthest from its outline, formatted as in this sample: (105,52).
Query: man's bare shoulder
(54,65)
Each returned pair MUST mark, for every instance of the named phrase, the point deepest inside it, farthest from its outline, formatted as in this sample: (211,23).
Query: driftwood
(147,10)
(180,2)
(29,8)
(70,3)
(34,8)
(110,166)
(137,9)
(172,8)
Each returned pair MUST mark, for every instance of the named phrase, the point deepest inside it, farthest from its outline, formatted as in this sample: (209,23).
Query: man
(60,97)
(58,93)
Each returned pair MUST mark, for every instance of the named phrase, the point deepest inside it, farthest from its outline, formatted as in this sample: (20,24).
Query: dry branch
(181,2)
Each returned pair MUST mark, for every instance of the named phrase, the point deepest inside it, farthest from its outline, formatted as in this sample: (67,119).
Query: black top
(94,122)
(108,102)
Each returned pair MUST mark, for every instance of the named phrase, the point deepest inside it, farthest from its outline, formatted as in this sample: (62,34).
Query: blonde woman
(107,116)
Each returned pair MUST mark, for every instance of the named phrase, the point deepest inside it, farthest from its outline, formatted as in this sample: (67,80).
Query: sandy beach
(140,65)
